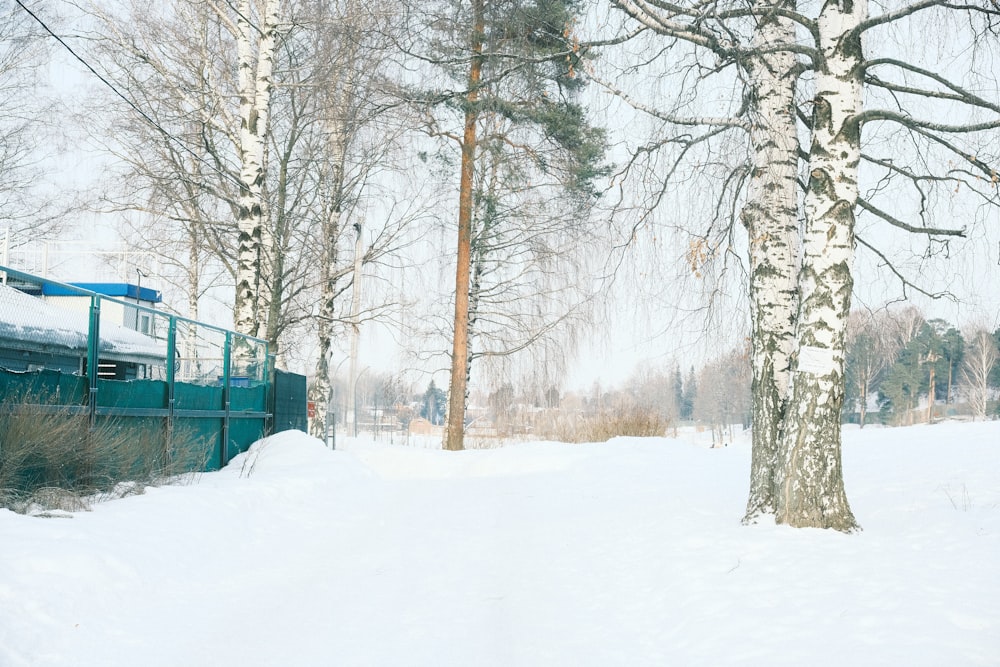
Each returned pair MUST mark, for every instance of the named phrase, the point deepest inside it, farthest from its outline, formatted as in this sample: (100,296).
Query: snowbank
(624,553)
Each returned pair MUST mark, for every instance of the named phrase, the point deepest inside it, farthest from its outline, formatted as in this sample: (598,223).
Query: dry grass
(54,460)
(626,421)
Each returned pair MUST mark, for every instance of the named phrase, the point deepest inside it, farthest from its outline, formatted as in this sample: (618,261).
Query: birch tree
(811,482)
(357,138)
(330,153)
(256,44)
(759,42)
(810,477)
(982,356)
(177,62)
(796,472)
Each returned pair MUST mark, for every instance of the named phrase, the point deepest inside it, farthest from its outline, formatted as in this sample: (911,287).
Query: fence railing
(68,348)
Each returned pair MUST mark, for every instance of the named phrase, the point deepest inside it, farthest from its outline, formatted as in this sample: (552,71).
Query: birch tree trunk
(352,374)
(980,358)
(255,81)
(771,219)
(811,480)
(329,275)
(458,386)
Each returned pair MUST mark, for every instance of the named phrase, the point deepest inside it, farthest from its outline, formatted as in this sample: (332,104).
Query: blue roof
(120,290)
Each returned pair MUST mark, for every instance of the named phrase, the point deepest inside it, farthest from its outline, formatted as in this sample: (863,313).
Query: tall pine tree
(522,126)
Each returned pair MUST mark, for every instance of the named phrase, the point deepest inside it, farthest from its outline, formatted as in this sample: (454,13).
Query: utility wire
(129,102)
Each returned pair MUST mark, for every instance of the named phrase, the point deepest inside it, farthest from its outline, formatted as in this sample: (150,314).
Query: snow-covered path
(624,553)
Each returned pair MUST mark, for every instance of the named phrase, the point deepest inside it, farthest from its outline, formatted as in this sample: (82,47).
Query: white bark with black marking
(771,219)
(811,487)
(255,81)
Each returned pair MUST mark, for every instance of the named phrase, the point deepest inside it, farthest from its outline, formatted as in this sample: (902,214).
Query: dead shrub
(628,421)
(51,458)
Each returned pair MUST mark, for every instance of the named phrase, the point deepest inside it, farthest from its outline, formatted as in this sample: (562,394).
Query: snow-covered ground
(623,553)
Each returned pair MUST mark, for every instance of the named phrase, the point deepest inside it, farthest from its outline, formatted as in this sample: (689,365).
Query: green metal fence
(66,348)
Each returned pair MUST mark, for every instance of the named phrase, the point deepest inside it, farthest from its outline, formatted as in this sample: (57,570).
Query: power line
(127,101)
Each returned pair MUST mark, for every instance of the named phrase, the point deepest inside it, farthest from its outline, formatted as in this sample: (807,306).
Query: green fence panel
(248,399)
(197,397)
(244,431)
(44,386)
(290,407)
(156,375)
(72,389)
(140,445)
(207,433)
(242,434)
(132,393)
(208,430)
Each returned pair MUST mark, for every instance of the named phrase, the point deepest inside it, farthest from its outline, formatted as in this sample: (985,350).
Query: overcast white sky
(642,326)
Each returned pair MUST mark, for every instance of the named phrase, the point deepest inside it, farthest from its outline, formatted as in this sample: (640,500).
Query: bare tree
(30,126)
(354,167)
(529,265)
(174,143)
(723,397)
(175,66)
(811,489)
(760,192)
(981,357)
(871,349)
(811,486)
(654,391)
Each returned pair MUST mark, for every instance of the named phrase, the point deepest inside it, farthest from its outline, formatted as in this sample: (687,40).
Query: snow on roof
(24,318)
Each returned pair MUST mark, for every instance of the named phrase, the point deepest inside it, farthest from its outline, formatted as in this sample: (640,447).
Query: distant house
(112,313)
(37,334)
(420,426)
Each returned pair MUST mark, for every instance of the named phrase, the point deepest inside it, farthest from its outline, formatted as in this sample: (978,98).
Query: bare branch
(710,121)
(960,94)
(906,283)
(913,123)
(909,10)
(895,222)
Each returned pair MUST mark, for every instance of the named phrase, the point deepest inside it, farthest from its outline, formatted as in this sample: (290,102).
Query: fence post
(271,397)
(93,357)
(226,359)
(171,363)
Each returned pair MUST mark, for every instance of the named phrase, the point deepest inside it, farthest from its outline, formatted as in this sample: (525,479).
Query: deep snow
(623,553)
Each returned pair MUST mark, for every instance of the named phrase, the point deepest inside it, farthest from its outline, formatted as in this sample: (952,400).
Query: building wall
(112,313)
(23,360)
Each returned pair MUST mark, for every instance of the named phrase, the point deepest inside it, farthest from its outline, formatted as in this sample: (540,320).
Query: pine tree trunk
(811,490)
(455,430)
(771,219)
(255,86)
